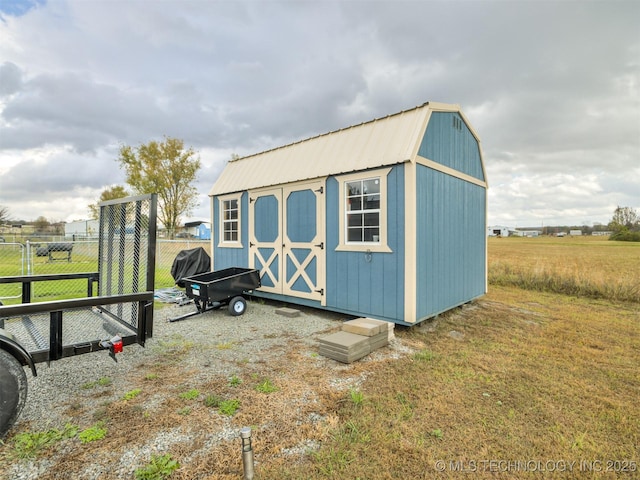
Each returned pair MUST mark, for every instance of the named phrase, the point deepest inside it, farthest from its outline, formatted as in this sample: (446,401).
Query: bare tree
(624,218)
(4,214)
(41,224)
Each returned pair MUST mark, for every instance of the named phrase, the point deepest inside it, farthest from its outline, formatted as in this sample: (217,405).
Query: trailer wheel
(237,306)
(13,390)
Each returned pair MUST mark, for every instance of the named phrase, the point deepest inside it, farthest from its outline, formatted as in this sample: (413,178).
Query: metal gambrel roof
(384,141)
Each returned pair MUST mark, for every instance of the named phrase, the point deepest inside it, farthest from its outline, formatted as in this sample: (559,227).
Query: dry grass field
(538,379)
(544,380)
(584,266)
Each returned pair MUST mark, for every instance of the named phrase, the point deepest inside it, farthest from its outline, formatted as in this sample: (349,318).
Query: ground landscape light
(247,453)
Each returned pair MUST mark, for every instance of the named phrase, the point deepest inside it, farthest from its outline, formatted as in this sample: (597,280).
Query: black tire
(237,306)
(13,390)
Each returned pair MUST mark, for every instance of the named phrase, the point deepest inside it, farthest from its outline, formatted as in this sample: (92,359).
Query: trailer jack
(114,345)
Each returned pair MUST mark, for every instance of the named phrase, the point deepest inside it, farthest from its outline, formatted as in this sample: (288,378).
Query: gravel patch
(216,344)
(251,339)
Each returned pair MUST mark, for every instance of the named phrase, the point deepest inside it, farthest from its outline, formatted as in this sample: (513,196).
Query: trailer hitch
(114,345)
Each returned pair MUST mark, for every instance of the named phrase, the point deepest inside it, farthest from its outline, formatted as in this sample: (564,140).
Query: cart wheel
(13,390)
(237,306)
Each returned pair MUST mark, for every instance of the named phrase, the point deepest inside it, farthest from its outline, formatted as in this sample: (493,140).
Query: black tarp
(188,263)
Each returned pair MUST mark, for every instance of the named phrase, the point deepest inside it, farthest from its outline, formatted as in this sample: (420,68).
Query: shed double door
(286,239)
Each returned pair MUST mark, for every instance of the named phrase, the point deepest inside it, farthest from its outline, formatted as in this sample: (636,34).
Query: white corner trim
(449,171)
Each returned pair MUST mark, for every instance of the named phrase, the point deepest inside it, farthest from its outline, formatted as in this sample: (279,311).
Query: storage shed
(385,219)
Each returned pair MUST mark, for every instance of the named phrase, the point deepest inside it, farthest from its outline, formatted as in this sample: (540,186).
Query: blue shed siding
(231,257)
(353,283)
(451,249)
(449,142)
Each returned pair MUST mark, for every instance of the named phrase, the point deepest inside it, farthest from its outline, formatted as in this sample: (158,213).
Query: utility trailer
(120,314)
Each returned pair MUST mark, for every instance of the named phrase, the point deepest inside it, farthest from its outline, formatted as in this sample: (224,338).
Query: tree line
(625,225)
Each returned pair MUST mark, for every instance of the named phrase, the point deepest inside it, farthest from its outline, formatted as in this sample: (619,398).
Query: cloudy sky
(552,88)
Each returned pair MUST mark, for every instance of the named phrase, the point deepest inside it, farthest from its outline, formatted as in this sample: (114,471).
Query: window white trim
(381,245)
(222,243)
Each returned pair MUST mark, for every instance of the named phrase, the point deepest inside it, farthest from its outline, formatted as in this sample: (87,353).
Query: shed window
(363,207)
(363,210)
(230,221)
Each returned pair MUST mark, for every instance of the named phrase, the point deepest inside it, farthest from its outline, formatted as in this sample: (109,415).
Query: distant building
(528,233)
(575,233)
(198,229)
(17,230)
(497,231)
(81,229)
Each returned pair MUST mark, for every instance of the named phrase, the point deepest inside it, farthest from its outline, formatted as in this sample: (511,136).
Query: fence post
(158,252)
(28,257)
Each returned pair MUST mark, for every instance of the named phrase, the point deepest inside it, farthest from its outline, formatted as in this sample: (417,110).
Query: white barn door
(304,241)
(265,237)
(287,239)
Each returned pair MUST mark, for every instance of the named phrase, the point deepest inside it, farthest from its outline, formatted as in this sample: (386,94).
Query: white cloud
(551,88)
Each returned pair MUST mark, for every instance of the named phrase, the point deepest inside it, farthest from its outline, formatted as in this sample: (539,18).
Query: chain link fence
(13,263)
(51,258)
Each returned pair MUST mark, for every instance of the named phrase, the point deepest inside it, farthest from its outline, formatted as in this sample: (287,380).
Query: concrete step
(357,339)
(344,340)
(362,326)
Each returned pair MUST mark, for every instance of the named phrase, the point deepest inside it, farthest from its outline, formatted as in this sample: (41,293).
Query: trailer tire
(13,390)
(237,306)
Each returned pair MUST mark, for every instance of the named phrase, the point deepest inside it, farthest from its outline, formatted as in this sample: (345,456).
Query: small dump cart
(211,290)
(121,314)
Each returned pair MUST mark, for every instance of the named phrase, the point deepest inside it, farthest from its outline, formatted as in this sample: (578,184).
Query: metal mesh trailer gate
(121,313)
(126,253)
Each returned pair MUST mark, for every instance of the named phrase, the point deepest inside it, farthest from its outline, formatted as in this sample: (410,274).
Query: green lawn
(84,258)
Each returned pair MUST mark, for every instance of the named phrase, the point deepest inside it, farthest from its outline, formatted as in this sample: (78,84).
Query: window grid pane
(230,224)
(363,211)
(354,235)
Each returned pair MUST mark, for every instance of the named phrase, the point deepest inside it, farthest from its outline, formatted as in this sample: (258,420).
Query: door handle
(320,245)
